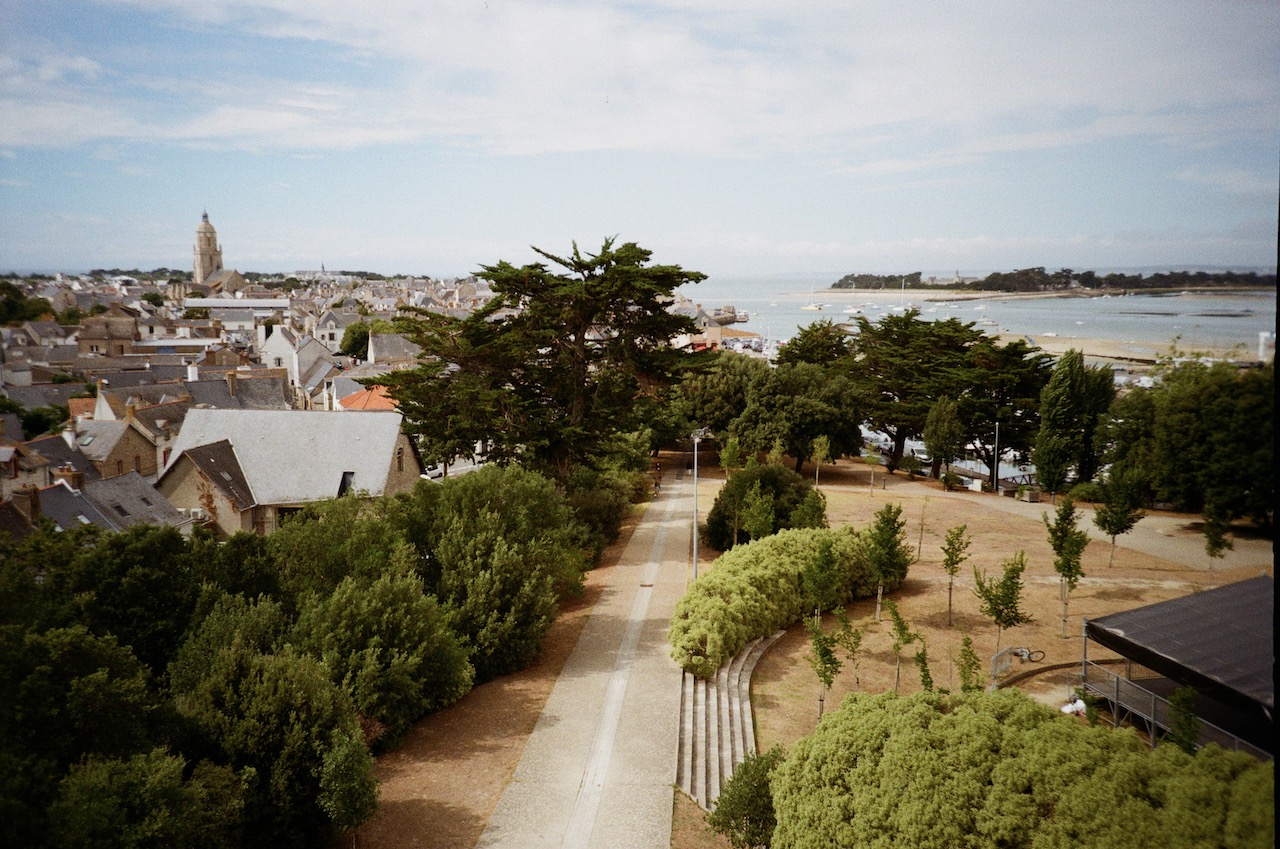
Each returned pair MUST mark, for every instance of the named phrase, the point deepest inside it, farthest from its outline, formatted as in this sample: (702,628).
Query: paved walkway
(599,766)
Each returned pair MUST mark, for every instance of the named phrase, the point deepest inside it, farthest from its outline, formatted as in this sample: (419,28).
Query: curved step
(717,726)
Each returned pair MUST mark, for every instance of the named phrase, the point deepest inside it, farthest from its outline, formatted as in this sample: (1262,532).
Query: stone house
(249,469)
(111,333)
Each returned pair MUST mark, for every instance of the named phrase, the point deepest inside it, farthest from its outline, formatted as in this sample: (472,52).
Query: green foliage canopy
(976,770)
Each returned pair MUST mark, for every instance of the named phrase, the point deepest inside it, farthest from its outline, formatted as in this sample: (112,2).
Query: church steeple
(208,254)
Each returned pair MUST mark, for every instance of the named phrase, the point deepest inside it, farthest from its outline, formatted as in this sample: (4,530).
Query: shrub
(1090,491)
(744,811)
(756,589)
(785,489)
(997,769)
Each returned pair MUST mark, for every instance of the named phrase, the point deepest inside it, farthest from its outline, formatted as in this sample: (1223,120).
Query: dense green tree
(502,550)
(902,365)
(68,694)
(328,541)
(281,716)
(1072,404)
(389,647)
(1003,397)
(1068,542)
(1201,440)
(744,811)
(135,585)
(1001,599)
(16,307)
(822,343)
(714,397)
(259,625)
(551,367)
(148,800)
(784,490)
(797,404)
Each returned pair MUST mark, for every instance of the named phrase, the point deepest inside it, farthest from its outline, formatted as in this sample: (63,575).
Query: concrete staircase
(717,731)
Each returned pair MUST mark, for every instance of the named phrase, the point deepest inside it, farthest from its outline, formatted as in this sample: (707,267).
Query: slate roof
(259,393)
(157,417)
(11,427)
(129,500)
(97,439)
(68,508)
(58,452)
(43,394)
(295,456)
(220,465)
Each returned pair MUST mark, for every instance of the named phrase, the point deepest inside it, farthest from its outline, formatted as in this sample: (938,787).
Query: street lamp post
(698,436)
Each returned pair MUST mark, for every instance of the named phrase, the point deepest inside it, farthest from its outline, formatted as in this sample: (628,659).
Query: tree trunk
(879,596)
(950,584)
(1112,560)
(1064,595)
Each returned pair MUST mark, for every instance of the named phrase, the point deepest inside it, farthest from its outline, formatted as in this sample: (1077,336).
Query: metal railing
(1131,698)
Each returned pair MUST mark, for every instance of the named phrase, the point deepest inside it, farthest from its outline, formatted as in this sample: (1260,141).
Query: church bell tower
(208,255)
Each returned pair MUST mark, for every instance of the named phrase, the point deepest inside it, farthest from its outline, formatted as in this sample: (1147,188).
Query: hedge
(755,589)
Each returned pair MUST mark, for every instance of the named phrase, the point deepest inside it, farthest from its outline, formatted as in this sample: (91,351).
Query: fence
(1131,701)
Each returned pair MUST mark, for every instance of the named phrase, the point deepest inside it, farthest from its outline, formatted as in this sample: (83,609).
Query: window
(345,484)
(400,459)
(119,467)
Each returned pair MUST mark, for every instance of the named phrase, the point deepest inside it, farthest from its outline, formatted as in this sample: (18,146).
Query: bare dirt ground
(440,787)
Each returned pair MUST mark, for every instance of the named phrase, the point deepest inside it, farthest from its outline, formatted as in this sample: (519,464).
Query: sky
(732,137)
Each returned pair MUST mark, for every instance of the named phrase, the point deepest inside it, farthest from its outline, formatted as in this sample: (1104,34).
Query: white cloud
(725,79)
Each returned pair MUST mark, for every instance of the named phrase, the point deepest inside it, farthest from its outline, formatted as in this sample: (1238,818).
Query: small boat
(852,310)
(811,307)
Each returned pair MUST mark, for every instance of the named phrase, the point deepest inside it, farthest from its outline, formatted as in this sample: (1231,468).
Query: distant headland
(1063,280)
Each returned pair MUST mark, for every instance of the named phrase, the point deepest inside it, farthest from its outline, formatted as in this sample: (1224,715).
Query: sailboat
(812,305)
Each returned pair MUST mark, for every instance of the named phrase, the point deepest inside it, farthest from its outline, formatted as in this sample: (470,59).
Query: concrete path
(599,767)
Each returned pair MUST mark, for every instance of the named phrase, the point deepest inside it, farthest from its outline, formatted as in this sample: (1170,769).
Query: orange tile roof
(374,398)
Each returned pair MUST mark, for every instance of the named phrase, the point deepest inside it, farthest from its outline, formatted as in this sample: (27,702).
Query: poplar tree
(887,549)
(954,552)
(1002,598)
(1119,513)
(1068,543)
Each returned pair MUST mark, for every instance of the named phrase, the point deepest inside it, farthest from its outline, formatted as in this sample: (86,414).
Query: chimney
(68,473)
(26,499)
(130,410)
(231,383)
(193,371)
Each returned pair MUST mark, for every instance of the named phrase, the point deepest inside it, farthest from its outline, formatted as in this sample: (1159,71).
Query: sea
(1146,324)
